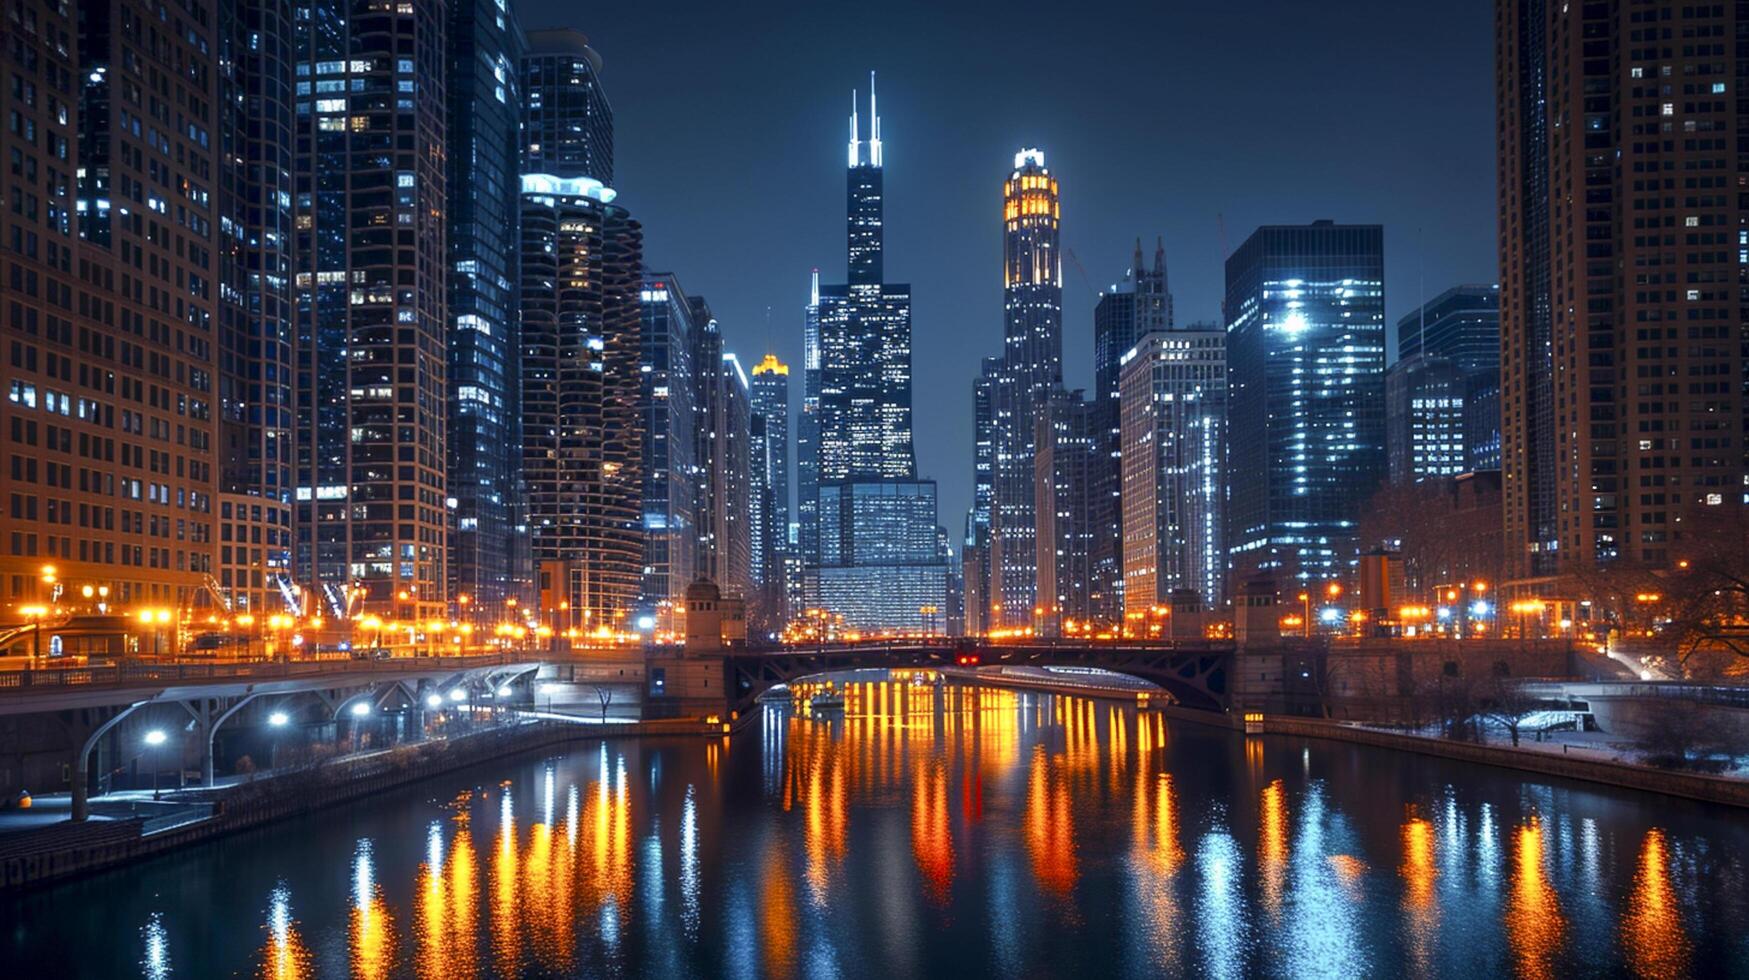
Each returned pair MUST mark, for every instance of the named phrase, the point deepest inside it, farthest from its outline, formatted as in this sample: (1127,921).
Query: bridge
(85,702)
(1194,672)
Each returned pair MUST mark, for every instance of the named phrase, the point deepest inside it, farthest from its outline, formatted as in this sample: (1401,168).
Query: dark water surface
(946,832)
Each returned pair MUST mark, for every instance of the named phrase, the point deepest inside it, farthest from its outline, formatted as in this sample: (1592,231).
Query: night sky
(1158,119)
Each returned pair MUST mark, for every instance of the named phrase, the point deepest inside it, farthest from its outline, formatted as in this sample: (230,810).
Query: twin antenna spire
(874,137)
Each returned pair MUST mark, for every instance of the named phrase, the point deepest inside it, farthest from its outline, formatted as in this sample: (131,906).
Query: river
(945,831)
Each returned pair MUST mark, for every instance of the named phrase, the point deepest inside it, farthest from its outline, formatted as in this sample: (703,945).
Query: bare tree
(604,694)
(1506,704)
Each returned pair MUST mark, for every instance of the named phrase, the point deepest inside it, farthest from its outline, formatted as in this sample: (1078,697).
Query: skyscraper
(1173,402)
(808,432)
(489,545)
(769,490)
(1130,310)
(975,570)
(1305,368)
(583,447)
(1425,410)
(668,404)
(1032,369)
(111,408)
(863,459)
(1622,366)
(1069,441)
(255,408)
(372,523)
(1462,325)
(567,121)
(865,337)
(723,414)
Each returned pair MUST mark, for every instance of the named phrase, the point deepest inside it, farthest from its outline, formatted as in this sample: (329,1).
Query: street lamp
(154,739)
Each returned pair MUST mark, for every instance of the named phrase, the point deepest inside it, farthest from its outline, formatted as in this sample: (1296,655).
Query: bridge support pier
(206,725)
(86,741)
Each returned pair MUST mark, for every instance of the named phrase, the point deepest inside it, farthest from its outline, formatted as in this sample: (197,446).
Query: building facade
(723,414)
(1066,467)
(256,120)
(671,471)
(1426,411)
(769,490)
(1032,369)
(1125,313)
(1623,413)
(1305,368)
(1172,398)
(372,518)
(567,121)
(1462,325)
(489,547)
(582,449)
(110,310)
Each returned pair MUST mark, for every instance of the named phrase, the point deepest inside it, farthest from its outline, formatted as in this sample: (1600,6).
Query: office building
(671,470)
(1125,313)
(1462,325)
(1069,442)
(860,334)
(808,432)
(1305,369)
(1032,369)
(582,434)
(489,546)
(723,413)
(769,487)
(1623,413)
(1426,409)
(1172,397)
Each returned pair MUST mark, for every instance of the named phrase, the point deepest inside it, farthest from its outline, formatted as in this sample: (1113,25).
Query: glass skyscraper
(1462,326)
(1305,366)
(667,401)
(489,545)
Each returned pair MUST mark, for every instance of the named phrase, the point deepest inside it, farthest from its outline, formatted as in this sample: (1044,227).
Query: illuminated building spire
(874,131)
(855,140)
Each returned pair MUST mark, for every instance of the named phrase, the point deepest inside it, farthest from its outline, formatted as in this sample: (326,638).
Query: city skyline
(1177,171)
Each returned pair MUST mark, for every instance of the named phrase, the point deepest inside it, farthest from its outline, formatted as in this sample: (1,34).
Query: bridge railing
(1733,695)
(121,674)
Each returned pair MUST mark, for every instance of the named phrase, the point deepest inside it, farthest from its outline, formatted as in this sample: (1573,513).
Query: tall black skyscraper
(1305,372)
(877,561)
(489,543)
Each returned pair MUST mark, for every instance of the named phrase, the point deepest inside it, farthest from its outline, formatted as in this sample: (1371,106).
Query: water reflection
(1652,933)
(940,829)
(285,956)
(1534,924)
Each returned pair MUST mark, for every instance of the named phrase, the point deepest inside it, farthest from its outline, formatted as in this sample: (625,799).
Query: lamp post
(1306,619)
(154,739)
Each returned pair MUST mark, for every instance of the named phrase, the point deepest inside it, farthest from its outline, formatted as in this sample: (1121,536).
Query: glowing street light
(278,719)
(361,708)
